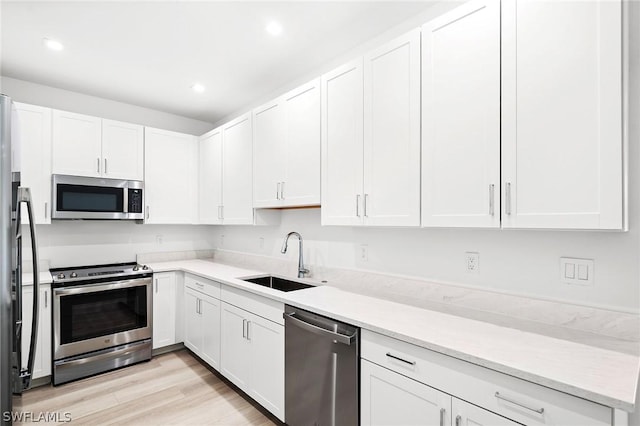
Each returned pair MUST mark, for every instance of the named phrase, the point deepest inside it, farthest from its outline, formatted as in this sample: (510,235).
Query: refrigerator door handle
(24,196)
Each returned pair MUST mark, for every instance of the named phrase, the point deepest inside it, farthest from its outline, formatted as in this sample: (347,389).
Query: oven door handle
(92,288)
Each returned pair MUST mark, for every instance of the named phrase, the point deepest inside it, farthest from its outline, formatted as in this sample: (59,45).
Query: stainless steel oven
(102,319)
(77,197)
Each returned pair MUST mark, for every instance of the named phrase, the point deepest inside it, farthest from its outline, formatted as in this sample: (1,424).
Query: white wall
(77,243)
(38,94)
(519,262)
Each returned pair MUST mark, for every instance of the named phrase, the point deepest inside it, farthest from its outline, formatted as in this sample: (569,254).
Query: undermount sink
(277,283)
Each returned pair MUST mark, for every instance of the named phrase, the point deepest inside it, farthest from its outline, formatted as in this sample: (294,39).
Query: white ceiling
(150,53)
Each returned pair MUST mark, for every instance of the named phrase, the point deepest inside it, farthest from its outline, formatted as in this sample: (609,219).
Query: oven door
(76,197)
(91,317)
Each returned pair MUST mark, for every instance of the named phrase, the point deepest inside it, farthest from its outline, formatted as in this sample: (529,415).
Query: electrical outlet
(576,271)
(159,239)
(472,262)
(364,252)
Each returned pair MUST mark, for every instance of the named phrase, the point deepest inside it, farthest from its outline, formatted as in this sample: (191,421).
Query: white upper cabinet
(342,145)
(171,177)
(77,144)
(269,154)
(461,117)
(287,149)
(392,133)
(237,180)
(32,129)
(95,147)
(371,138)
(301,183)
(122,150)
(562,164)
(210,168)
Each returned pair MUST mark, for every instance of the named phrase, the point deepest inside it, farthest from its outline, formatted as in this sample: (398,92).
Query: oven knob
(74,275)
(135,268)
(145,267)
(61,276)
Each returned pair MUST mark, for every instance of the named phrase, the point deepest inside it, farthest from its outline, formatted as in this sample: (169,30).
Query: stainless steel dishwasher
(322,370)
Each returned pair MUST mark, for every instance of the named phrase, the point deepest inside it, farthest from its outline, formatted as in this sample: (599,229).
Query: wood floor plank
(171,389)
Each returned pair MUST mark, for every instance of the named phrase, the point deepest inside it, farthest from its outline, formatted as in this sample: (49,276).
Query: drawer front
(208,287)
(259,305)
(516,399)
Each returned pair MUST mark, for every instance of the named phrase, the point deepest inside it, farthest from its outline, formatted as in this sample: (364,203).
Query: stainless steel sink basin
(277,283)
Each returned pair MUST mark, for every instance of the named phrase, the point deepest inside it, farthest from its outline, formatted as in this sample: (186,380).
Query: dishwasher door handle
(341,338)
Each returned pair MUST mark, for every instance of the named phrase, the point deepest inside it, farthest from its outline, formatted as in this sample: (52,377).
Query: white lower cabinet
(164,309)
(202,321)
(404,384)
(252,356)
(42,361)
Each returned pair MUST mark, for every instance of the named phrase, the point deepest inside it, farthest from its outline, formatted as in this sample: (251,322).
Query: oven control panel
(135,201)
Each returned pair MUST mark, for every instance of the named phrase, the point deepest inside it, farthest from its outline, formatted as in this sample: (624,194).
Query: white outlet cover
(363,253)
(472,262)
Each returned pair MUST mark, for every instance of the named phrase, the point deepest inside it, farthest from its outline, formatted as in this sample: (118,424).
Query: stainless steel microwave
(77,197)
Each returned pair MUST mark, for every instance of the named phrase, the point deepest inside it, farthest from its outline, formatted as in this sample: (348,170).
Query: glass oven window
(88,315)
(82,198)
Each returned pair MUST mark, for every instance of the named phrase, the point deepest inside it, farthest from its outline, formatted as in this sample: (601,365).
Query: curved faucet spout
(301,269)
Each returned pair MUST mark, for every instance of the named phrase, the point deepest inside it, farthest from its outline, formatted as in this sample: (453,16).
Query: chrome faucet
(301,269)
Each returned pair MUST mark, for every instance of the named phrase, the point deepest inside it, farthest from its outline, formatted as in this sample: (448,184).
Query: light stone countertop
(596,374)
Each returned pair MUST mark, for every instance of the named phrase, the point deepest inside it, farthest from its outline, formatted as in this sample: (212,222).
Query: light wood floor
(173,388)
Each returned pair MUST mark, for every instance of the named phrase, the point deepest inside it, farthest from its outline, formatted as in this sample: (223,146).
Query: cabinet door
(171,177)
(77,144)
(42,360)
(269,152)
(32,130)
(237,181)
(164,309)
(210,313)
(302,138)
(461,117)
(122,150)
(267,364)
(465,414)
(342,145)
(210,185)
(192,321)
(392,133)
(562,164)
(234,346)
(388,398)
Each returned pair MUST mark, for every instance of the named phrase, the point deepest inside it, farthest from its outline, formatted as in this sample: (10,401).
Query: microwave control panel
(135,200)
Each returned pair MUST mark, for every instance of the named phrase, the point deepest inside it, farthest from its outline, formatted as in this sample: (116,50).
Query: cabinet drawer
(202,285)
(259,305)
(508,396)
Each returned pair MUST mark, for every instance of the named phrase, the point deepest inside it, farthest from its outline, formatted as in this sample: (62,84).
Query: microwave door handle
(24,195)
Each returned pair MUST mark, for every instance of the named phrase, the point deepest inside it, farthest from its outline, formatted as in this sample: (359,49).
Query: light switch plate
(576,271)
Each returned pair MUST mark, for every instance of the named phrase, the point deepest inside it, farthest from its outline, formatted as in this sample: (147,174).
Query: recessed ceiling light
(274,28)
(52,44)
(197,87)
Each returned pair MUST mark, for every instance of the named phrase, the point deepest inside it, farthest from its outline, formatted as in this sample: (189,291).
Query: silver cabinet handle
(46,207)
(156,286)
(366,196)
(278,191)
(390,355)
(222,212)
(442,411)
(244,328)
(458,420)
(98,162)
(492,209)
(105,166)
(358,205)
(507,196)
(199,285)
(147,212)
(519,404)
(46,297)
(248,330)
(282,190)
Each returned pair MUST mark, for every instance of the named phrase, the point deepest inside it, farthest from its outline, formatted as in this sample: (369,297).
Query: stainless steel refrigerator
(14,376)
